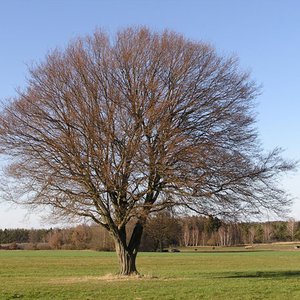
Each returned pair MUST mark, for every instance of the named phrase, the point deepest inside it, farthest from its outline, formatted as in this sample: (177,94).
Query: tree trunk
(126,260)
(127,254)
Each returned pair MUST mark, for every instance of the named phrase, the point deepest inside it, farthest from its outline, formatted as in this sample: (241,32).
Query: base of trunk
(129,273)
(127,252)
(126,262)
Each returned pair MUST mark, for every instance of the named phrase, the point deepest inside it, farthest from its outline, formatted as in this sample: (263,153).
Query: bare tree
(292,228)
(164,230)
(267,228)
(81,237)
(113,130)
(186,233)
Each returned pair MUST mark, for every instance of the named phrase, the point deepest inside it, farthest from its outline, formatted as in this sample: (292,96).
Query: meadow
(186,275)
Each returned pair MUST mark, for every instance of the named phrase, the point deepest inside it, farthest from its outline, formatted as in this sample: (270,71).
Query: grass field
(83,275)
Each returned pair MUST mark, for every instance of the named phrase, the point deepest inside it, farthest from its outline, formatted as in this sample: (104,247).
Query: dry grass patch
(107,278)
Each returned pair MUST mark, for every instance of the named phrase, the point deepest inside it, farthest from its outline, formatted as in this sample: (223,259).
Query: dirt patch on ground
(107,278)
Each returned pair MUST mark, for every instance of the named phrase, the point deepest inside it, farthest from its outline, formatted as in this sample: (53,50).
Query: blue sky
(264,34)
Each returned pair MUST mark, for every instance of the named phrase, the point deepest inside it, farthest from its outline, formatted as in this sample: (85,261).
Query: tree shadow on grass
(264,274)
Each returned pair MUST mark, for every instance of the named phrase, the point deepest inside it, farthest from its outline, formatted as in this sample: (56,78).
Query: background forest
(162,231)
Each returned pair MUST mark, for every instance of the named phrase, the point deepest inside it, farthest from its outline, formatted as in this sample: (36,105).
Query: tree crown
(113,130)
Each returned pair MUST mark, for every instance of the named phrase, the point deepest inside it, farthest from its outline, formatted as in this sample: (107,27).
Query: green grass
(77,275)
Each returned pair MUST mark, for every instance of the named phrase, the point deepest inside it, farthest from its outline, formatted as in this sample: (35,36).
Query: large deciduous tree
(115,129)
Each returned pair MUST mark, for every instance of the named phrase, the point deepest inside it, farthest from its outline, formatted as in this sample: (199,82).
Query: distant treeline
(162,230)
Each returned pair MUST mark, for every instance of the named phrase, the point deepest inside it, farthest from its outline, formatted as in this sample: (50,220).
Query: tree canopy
(115,129)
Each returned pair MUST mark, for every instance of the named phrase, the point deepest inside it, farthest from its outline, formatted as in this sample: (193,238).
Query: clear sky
(264,34)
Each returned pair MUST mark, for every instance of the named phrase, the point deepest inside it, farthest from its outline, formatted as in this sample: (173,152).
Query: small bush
(43,246)
(13,246)
(68,247)
(29,246)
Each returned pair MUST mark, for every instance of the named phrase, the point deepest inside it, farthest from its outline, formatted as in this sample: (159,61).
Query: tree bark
(127,260)
(127,254)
